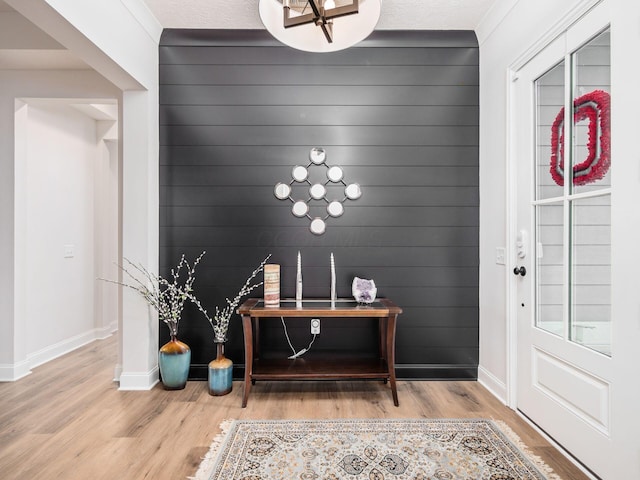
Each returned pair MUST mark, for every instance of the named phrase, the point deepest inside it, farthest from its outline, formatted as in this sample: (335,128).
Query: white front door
(562,258)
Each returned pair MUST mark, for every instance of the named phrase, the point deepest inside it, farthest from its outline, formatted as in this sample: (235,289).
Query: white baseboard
(139,380)
(493,384)
(18,370)
(56,350)
(12,372)
(117,371)
(106,332)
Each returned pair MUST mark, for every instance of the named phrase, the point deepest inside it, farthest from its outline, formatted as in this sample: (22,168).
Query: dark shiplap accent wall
(399,113)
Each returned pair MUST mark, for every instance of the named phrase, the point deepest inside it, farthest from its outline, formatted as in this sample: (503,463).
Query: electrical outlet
(315,326)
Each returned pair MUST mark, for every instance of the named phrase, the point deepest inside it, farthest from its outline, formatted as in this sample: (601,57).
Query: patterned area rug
(473,449)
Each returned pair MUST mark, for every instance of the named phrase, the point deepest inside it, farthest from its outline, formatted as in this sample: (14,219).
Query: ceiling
(396,14)
(24,46)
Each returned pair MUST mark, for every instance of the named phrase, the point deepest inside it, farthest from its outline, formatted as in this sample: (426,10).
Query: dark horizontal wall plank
(378,39)
(440,337)
(317,279)
(320,75)
(227,236)
(375,196)
(353,258)
(322,135)
(446,355)
(399,114)
(318,95)
(354,216)
(344,155)
(189,55)
(318,276)
(286,115)
(365,176)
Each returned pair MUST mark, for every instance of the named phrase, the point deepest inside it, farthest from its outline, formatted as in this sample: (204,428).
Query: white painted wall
(14,292)
(107,228)
(60,165)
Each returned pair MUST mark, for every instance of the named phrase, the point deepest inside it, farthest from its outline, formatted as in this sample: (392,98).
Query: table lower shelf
(317,369)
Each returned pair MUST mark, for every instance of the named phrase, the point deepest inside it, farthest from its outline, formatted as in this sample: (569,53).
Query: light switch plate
(500,256)
(69,251)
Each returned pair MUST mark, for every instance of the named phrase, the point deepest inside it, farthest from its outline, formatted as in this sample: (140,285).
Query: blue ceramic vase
(220,373)
(174,360)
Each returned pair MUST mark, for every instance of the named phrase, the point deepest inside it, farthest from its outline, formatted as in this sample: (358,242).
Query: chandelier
(320,25)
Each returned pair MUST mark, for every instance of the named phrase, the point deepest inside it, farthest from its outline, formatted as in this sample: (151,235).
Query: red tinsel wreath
(596,108)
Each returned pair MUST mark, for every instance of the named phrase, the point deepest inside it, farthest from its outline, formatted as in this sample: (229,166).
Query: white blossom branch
(220,321)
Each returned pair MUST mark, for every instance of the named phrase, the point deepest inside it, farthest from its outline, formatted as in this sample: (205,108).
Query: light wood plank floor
(67,420)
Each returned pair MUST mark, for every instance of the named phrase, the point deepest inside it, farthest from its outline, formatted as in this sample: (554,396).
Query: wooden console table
(257,368)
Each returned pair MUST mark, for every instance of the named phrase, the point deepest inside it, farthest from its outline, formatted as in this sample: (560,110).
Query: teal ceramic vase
(220,373)
(174,360)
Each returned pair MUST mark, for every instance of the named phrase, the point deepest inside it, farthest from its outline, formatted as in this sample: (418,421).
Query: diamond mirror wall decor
(318,191)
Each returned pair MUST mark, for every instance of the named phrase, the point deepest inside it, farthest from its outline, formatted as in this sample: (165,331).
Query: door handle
(520,271)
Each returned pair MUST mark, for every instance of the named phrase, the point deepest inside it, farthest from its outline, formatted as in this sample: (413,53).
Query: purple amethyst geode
(363,290)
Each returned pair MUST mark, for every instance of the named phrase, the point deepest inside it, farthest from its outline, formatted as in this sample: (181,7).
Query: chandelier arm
(327,29)
(314,17)
(342,11)
(315,7)
(298,20)
(319,16)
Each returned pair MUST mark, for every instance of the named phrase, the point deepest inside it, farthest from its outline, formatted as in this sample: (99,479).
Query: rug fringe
(535,459)
(209,459)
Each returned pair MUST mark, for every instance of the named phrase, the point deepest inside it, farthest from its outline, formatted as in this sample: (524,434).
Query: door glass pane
(592,115)
(549,90)
(591,273)
(550,272)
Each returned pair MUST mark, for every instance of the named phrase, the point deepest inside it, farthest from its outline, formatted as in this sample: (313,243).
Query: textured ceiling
(396,14)
(24,46)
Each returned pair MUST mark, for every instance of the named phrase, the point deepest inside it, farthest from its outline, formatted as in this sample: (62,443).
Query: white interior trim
(563,24)
(492,383)
(139,380)
(141,12)
(15,371)
(493,18)
(552,33)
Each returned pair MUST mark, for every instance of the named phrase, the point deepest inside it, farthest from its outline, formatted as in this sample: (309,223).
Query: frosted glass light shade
(347,30)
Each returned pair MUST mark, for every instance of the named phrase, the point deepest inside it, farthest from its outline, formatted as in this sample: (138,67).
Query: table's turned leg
(256,337)
(391,356)
(248,357)
(382,341)
(382,337)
